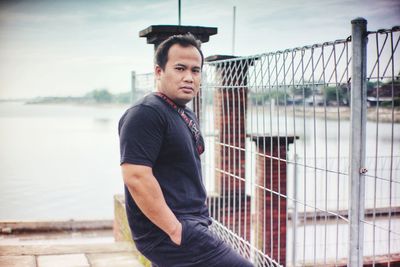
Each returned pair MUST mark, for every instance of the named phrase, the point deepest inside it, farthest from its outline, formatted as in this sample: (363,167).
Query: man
(160,160)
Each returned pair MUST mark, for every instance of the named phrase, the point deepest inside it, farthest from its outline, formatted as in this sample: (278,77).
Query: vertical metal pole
(179,12)
(295,214)
(233,30)
(357,142)
(133,87)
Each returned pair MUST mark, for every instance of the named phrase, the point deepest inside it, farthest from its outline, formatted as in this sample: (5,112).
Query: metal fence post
(357,142)
(295,216)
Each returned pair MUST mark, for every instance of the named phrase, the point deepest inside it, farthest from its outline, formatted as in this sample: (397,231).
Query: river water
(62,161)
(58,161)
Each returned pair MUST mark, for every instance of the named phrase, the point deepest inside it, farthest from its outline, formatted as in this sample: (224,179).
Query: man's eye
(196,71)
(179,68)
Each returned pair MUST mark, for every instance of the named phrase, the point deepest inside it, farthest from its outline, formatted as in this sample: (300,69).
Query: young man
(160,146)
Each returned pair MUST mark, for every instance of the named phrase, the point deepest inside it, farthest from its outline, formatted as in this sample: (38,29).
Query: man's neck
(176,103)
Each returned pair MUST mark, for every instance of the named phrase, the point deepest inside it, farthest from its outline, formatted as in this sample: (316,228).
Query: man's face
(180,79)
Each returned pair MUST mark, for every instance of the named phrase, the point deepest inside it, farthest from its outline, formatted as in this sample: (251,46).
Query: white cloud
(70,47)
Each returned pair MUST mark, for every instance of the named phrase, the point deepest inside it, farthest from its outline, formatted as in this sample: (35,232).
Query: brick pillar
(230,100)
(271,207)
(197,101)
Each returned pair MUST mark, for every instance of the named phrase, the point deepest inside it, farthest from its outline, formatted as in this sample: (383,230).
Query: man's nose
(188,77)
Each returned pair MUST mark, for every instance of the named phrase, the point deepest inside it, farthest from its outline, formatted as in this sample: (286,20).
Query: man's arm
(146,192)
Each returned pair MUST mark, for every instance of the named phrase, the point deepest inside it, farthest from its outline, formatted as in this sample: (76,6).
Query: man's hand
(176,235)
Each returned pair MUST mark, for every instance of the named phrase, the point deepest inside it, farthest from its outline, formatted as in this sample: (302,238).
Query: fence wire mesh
(277,129)
(142,84)
(382,181)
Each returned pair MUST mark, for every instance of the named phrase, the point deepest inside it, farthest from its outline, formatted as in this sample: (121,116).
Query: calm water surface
(62,161)
(58,161)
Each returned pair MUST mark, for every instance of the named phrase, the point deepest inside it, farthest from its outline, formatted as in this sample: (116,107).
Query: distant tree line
(281,95)
(104,96)
(321,95)
(97,96)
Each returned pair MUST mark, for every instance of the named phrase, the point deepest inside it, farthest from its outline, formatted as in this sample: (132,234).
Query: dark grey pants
(199,247)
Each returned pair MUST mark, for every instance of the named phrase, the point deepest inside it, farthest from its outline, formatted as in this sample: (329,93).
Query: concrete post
(272,207)
(156,34)
(358,141)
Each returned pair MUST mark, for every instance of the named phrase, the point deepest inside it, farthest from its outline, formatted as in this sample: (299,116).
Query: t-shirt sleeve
(141,131)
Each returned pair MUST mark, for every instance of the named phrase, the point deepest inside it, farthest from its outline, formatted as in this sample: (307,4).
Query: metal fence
(289,138)
(141,84)
(382,182)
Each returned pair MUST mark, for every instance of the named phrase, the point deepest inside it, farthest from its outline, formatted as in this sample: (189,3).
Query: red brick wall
(271,206)
(232,206)
(229,122)
(230,107)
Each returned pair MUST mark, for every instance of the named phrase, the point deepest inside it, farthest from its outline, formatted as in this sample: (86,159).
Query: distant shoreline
(333,113)
(94,97)
(13,100)
(66,103)
(83,104)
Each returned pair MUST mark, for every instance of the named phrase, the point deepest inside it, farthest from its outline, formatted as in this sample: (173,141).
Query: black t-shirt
(154,135)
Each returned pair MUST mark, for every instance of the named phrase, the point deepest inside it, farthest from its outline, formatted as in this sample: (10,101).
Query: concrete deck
(66,249)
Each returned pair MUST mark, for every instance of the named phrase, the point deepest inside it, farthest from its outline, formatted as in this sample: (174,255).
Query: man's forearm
(148,196)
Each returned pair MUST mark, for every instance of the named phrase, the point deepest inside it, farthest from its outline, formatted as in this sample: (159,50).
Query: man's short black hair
(184,40)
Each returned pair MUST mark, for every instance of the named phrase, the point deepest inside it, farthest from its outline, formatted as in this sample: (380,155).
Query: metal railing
(141,84)
(299,171)
(383,186)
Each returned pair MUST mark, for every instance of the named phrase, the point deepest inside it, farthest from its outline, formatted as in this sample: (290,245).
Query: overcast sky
(61,48)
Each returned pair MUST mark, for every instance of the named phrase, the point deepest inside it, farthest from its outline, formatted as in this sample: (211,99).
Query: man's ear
(157,71)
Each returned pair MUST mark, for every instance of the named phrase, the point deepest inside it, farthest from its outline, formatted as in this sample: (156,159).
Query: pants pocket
(184,235)
(199,239)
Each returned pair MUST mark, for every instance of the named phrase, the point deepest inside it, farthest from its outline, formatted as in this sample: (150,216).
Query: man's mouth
(187,89)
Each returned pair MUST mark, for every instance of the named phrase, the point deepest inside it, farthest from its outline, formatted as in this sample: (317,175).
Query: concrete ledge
(8,227)
(122,231)
(29,250)
(380,261)
(63,260)
(18,261)
(121,259)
